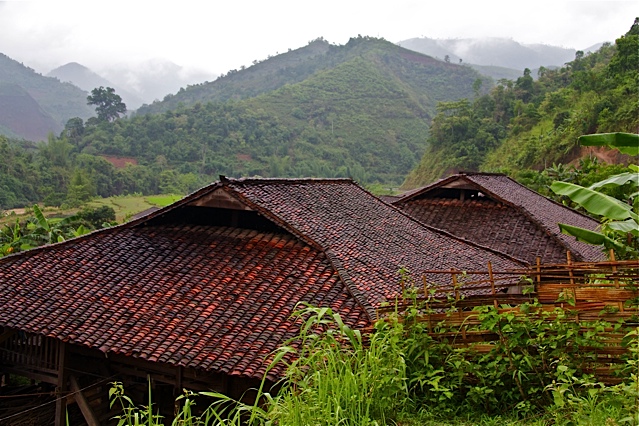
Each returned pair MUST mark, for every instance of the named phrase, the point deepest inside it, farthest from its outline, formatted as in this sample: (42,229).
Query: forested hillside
(300,64)
(528,124)
(361,110)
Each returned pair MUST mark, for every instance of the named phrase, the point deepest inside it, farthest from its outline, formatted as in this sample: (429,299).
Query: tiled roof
(177,287)
(519,204)
(489,223)
(213,298)
(367,239)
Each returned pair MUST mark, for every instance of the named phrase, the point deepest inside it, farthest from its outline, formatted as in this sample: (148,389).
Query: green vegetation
(529,124)
(532,375)
(38,229)
(57,174)
(359,110)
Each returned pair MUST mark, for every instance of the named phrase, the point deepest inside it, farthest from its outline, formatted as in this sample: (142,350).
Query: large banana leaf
(626,226)
(626,143)
(617,180)
(42,221)
(595,202)
(590,237)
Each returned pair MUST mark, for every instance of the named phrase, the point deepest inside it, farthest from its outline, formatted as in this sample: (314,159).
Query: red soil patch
(603,154)
(120,162)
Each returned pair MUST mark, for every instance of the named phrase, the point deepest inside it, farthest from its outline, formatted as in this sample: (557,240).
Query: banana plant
(50,231)
(619,220)
(12,239)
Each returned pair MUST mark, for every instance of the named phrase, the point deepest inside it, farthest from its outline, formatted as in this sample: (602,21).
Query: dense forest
(370,111)
(530,124)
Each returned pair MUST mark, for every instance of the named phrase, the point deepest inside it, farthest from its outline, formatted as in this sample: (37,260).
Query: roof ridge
(350,286)
(256,180)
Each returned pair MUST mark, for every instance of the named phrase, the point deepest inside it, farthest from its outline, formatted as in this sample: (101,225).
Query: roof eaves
(448,234)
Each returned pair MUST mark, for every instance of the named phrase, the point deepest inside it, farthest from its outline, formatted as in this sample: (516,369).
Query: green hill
(60,101)
(300,64)
(359,110)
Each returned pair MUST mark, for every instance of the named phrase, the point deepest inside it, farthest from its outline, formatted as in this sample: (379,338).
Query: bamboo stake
(492,282)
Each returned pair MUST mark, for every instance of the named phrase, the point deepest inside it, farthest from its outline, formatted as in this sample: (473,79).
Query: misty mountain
(88,80)
(53,99)
(298,65)
(499,52)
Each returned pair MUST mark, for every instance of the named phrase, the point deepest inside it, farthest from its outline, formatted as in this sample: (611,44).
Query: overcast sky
(217,36)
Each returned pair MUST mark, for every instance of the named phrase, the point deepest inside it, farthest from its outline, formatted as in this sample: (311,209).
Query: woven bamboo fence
(590,291)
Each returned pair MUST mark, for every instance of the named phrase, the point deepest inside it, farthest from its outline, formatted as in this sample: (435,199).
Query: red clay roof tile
(511,218)
(177,301)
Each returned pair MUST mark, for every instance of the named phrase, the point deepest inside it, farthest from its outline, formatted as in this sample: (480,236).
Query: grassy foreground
(400,375)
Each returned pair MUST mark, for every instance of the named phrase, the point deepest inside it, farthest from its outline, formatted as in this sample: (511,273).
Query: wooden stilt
(61,400)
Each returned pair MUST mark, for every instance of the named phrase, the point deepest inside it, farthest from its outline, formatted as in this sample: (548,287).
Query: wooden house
(495,211)
(199,294)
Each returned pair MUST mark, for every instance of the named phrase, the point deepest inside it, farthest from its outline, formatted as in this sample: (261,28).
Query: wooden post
(616,278)
(492,283)
(538,272)
(61,399)
(425,286)
(452,272)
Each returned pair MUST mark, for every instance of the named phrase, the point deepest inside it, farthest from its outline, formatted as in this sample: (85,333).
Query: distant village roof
(211,281)
(495,211)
